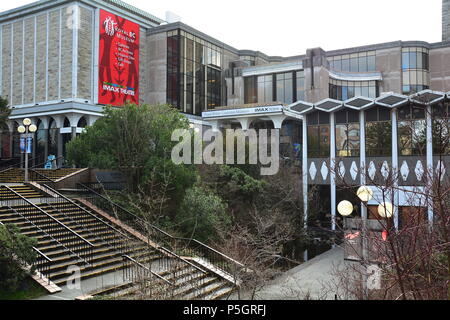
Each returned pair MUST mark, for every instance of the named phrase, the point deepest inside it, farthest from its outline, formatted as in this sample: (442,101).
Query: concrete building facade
(325,102)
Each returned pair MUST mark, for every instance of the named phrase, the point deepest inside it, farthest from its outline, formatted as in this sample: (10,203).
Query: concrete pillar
(362,157)
(60,149)
(278,121)
(305,177)
(333,170)
(430,168)
(395,167)
(74,133)
(245,123)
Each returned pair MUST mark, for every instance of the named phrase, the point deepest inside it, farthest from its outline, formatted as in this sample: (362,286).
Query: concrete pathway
(311,280)
(87,286)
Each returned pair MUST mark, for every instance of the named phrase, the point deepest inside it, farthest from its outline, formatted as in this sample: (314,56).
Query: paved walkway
(87,286)
(311,280)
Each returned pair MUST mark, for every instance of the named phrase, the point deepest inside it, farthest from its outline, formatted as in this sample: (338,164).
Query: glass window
(378,132)
(345,65)
(250,90)
(405,60)
(362,64)
(371,66)
(347,140)
(441,129)
(354,65)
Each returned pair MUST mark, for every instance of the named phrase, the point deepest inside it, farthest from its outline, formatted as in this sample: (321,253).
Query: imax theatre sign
(242,112)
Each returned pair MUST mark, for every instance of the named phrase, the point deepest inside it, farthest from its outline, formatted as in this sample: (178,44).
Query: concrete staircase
(24,190)
(16,175)
(70,235)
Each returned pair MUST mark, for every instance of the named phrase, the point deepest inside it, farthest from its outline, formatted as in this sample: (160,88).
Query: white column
(395,166)
(278,121)
(430,172)
(305,177)
(245,123)
(333,169)
(362,157)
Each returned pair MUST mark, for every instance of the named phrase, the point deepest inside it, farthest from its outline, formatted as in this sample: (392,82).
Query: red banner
(119,60)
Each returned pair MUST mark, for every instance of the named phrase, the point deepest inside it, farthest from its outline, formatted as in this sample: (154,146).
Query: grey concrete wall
(41,57)
(389,63)
(66,53)
(143,63)
(156,72)
(6,61)
(85,54)
(34,67)
(321,84)
(440,69)
(17,62)
(28,85)
(445,20)
(53,55)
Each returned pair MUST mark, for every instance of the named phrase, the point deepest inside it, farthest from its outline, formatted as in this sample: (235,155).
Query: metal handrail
(50,216)
(163,232)
(48,234)
(92,215)
(41,175)
(147,269)
(40,164)
(42,254)
(182,259)
(16,164)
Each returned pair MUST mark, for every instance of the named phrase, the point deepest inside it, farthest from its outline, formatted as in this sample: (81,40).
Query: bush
(16,251)
(201,214)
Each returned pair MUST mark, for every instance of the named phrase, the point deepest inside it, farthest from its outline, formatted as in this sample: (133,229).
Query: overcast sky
(289,27)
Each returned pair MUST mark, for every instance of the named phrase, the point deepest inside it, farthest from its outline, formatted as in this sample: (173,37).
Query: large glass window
(344,90)
(265,88)
(441,129)
(318,134)
(300,84)
(415,70)
(378,132)
(284,87)
(356,62)
(412,133)
(193,73)
(347,133)
(250,90)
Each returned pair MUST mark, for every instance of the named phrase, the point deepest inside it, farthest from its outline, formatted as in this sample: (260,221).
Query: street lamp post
(27,130)
(345,209)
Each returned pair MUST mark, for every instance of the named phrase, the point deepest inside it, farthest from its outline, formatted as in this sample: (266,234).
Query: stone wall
(85,54)
(6,61)
(17,62)
(53,55)
(440,69)
(41,58)
(66,52)
(388,62)
(156,72)
(143,62)
(34,67)
(445,20)
(28,81)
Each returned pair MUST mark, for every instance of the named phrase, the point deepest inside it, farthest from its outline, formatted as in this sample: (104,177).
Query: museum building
(346,116)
